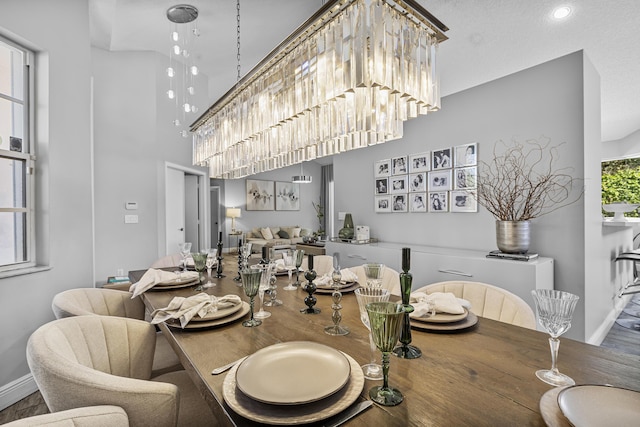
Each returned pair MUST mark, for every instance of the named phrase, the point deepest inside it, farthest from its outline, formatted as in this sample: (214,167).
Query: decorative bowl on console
(619,209)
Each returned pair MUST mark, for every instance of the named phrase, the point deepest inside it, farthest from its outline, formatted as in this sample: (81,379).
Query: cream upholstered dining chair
(489,301)
(91,416)
(171,260)
(109,302)
(390,278)
(102,360)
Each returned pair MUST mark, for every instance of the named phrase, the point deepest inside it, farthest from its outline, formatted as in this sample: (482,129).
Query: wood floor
(619,338)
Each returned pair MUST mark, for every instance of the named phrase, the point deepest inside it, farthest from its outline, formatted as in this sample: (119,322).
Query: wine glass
(372,370)
(374,272)
(211,260)
(299,255)
(251,284)
(555,309)
(289,264)
(200,263)
(185,250)
(386,320)
(264,285)
(273,289)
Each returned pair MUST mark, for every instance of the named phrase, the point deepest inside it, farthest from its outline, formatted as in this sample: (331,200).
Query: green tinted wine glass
(251,284)
(200,264)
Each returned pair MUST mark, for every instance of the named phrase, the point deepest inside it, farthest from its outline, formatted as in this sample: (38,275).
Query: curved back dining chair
(489,301)
(99,360)
(109,302)
(390,278)
(171,260)
(91,416)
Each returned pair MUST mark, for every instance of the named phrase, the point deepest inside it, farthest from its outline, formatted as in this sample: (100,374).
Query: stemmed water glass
(299,255)
(273,288)
(386,320)
(200,263)
(251,284)
(372,370)
(289,264)
(211,260)
(264,285)
(374,272)
(555,309)
(185,250)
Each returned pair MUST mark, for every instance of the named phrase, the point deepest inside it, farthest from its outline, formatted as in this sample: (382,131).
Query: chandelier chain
(238,35)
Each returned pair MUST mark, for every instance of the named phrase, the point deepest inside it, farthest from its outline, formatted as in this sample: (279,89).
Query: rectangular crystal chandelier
(347,78)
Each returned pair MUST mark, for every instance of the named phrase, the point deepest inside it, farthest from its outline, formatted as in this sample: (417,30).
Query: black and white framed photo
(463,201)
(398,184)
(418,202)
(382,204)
(399,165)
(418,182)
(441,159)
(466,155)
(438,201)
(287,196)
(382,185)
(399,202)
(420,162)
(440,180)
(382,168)
(466,178)
(260,195)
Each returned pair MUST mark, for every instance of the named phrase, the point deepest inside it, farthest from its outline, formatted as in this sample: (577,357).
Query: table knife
(226,367)
(347,414)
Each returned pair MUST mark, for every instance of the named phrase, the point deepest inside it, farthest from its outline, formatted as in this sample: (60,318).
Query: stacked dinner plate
(444,321)
(293,383)
(345,286)
(221,316)
(183,280)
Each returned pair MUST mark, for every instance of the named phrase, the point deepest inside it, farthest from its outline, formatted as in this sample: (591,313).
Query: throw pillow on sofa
(266,233)
(283,234)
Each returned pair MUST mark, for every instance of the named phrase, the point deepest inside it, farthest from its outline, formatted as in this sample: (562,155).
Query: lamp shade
(233,213)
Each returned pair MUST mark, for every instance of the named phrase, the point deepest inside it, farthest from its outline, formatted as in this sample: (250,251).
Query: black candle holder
(310,288)
(219,274)
(404,350)
(238,278)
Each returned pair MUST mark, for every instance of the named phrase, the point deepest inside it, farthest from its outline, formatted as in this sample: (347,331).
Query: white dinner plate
(442,317)
(280,374)
(599,405)
(218,314)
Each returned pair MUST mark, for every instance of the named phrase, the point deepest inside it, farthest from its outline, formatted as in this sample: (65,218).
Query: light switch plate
(131,219)
(131,206)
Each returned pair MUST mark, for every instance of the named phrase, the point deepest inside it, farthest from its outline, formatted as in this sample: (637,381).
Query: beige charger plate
(349,288)
(177,285)
(442,317)
(550,411)
(173,323)
(468,322)
(296,414)
(221,312)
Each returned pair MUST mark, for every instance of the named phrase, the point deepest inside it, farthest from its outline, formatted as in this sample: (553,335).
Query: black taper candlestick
(404,350)
(238,278)
(219,274)
(310,288)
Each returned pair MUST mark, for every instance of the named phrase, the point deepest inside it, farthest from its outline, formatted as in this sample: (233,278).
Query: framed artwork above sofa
(260,195)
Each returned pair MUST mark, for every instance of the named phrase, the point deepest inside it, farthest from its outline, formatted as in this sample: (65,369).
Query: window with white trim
(17,231)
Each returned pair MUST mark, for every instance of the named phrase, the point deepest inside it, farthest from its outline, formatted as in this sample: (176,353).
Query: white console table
(431,264)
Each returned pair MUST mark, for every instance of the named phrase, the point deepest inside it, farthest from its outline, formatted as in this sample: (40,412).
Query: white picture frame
(438,201)
(398,184)
(382,204)
(287,196)
(463,201)
(420,162)
(382,168)
(441,159)
(466,155)
(399,165)
(418,202)
(466,178)
(440,180)
(417,182)
(399,202)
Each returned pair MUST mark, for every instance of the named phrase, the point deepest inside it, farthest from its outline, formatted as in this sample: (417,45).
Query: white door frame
(203,201)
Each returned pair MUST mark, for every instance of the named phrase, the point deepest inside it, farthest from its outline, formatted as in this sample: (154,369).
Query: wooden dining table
(479,376)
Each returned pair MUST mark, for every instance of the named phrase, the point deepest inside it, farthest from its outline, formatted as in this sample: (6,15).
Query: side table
(311,248)
(236,234)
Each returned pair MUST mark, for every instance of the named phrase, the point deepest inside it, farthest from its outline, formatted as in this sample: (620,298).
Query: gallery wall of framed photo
(442,180)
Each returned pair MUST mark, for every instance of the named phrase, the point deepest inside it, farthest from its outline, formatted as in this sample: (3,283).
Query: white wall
(546,100)
(59,32)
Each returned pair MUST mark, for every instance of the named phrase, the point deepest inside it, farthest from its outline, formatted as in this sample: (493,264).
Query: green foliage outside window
(621,183)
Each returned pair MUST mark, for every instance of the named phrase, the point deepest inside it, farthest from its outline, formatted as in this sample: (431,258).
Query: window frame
(27,155)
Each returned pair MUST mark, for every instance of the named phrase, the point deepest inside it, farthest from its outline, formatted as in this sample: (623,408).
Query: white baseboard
(601,332)
(17,390)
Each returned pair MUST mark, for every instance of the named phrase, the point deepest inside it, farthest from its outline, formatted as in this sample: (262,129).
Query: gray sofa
(276,236)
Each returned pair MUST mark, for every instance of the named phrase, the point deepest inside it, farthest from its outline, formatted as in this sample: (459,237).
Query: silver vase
(513,237)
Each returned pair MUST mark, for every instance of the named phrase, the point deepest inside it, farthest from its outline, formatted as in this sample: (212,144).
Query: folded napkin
(185,309)
(280,264)
(348,275)
(438,302)
(153,277)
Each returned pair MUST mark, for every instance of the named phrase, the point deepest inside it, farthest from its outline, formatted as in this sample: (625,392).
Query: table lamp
(233,213)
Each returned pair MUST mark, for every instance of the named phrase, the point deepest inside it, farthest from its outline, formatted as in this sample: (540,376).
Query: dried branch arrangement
(522,181)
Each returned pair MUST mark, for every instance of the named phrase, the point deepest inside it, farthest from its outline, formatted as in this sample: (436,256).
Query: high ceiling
(488,39)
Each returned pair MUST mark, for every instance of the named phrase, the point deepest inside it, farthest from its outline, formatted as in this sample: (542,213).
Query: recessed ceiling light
(561,12)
